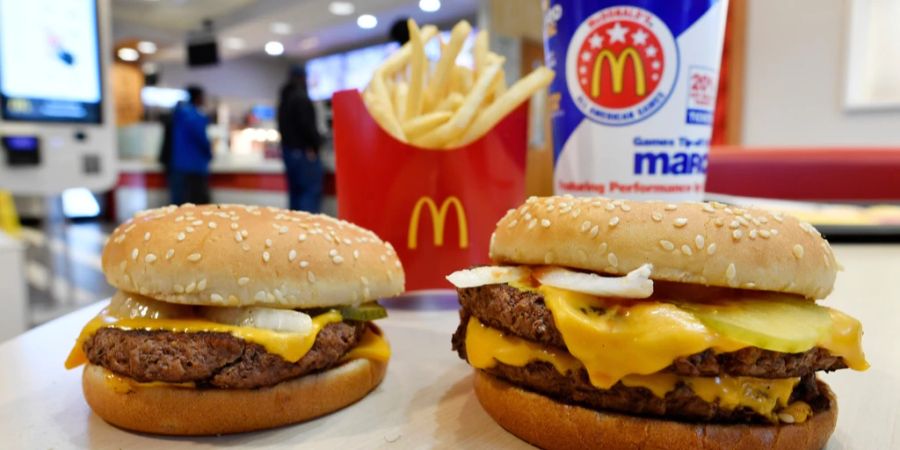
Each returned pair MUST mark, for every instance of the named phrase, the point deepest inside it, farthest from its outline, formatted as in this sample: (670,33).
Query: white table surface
(426,401)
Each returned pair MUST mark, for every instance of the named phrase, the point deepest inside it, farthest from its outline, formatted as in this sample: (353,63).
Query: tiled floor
(63,268)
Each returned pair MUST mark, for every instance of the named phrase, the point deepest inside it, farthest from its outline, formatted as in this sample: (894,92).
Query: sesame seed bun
(549,424)
(188,411)
(701,243)
(234,255)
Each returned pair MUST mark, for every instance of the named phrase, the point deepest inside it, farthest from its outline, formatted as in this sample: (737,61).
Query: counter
(426,401)
(249,180)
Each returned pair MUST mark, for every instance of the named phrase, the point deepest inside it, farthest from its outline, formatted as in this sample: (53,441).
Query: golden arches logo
(617,69)
(438,218)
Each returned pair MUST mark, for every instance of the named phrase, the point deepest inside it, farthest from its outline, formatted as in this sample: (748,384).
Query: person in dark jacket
(191,152)
(300,142)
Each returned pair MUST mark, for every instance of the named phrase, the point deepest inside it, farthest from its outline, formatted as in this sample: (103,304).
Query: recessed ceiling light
(234,43)
(341,8)
(429,5)
(146,47)
(309,43)
(280,28)
(274,48)
(367,21)
(128,54)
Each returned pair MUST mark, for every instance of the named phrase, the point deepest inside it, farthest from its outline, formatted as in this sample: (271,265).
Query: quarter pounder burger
(234,318)
(624,324)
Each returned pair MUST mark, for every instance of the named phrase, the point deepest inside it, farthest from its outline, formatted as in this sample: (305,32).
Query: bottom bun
(187,411)
(552,425)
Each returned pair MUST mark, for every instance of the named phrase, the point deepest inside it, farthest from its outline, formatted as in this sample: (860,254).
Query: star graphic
(586,56)
(584,81)
(651,51)
(655,76)
(596,41)
(617,33)
(639,37)
(655,65)
(582,70)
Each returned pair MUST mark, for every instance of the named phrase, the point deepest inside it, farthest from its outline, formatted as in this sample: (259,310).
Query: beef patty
(524,314)
(678,404)
(211,359)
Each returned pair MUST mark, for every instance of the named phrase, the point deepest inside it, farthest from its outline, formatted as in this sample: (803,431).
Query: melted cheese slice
(618,338)
(122,385)
(486,346)
(373,346)
(759,394)
(290,346)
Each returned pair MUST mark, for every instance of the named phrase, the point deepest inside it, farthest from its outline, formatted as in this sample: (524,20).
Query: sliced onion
(133,306)
(282,320)
(637,284)
(481,276)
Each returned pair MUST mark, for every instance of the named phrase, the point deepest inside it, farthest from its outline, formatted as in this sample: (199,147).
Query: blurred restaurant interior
(807,118)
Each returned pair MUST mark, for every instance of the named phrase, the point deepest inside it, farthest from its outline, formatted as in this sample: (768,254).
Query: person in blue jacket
(191,151)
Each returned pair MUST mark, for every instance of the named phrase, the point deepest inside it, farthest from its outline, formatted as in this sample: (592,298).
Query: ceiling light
(280,28)
(309,43)
(234,43)
(128,54)
(341,8)
(429,5)
(367,21)
(146,47)
(274,48)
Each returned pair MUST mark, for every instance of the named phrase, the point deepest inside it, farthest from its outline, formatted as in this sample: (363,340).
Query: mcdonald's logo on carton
(437,209)
(621,65)
(438,221)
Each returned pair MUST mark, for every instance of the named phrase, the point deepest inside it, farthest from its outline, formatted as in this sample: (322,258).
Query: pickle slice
(364,312)
(783,325)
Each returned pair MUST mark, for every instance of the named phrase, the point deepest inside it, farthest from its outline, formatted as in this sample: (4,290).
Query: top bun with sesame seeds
(700,243)
(234,255)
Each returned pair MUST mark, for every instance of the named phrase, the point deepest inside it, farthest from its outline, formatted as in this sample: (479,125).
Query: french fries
(449,105)
(417,69)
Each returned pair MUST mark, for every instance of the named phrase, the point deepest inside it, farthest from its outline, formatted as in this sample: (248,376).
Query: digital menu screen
(324,76)
(361,64)
(50,61)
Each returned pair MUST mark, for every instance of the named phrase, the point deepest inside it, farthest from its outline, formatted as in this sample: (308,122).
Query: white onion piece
(281,320)
(481,276)
(637,284)
(133,306)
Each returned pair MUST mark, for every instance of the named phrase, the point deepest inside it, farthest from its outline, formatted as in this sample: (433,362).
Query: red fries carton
(437,208)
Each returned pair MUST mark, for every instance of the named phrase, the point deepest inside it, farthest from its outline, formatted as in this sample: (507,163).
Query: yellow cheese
(123,385)
(659,384)
(372,346)
(614,338)
(758,394)
(796,412)
(845,340)
(486,346)
(290,346)
(617,338)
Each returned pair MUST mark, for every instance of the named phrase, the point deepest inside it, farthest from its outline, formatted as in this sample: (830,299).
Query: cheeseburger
(234,318)
(626,324)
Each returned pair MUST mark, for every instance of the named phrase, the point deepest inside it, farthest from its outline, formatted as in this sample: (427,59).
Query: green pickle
(364,312)
(784,325)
